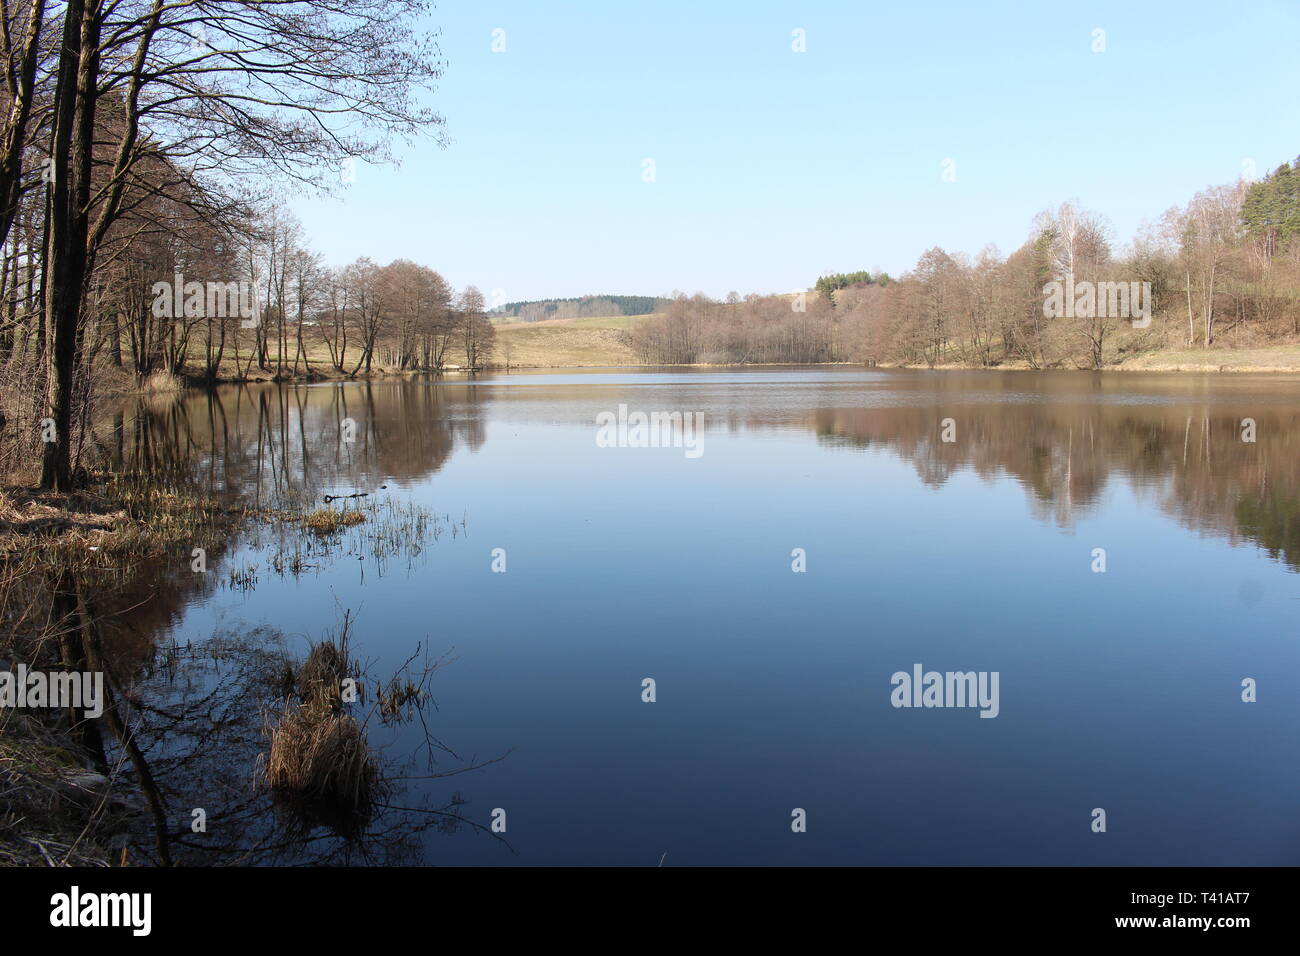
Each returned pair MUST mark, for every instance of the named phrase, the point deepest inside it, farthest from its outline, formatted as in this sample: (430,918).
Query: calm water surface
(1118,690)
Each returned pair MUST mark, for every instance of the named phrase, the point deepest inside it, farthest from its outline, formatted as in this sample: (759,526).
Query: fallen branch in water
(355,494)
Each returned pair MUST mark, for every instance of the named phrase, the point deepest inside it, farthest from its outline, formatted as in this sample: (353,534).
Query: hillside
(553,343)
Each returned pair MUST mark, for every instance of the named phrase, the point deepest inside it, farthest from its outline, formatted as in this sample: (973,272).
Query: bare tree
(479,333)
(222,89)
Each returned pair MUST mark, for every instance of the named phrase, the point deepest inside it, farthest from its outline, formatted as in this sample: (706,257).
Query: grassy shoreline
(607,342)
(603,343)
(62,806)
(117,544)
(1277,359)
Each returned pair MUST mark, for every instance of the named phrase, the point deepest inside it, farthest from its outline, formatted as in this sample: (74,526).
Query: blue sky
(772,167)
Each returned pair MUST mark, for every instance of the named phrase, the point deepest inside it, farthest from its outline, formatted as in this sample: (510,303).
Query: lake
(1120,550)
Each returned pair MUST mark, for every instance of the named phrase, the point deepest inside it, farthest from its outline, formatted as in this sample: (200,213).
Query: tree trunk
(68,228)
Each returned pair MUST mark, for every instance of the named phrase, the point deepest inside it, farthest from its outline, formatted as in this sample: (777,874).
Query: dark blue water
(1119,690)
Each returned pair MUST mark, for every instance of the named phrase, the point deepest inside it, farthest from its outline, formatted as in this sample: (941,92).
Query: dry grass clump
(327,520)
(319,755)
(160,383)
(322,674)
(319,761)
(396,698)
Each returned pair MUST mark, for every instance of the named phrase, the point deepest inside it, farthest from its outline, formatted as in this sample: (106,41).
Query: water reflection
(278,447)
(1193,464)
(1065,438)
(1133,452)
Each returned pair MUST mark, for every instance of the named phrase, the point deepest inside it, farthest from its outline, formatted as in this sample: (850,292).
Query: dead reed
(318,761)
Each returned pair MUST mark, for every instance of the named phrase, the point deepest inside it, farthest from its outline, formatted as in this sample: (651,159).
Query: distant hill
(583,307)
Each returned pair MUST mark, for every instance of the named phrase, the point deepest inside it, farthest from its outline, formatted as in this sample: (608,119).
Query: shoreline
(1128,366)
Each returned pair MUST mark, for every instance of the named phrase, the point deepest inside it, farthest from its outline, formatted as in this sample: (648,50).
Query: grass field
(557,343)
(1273,358)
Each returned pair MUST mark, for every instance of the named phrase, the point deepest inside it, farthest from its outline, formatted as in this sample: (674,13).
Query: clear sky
(773,166)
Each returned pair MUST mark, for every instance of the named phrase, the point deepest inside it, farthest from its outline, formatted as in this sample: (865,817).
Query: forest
(582,307)
(1222,270)
(143,141)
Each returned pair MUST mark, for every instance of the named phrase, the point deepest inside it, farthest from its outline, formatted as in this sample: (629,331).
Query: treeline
(828,285)
(582,307)
(275,309)
(1271,209)
(141,144)
(1224,269)
(755,329)
(403,316)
